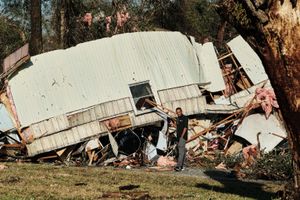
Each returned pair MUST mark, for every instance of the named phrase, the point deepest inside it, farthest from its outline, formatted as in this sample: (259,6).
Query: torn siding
(65,138)
(252,65)
(48,133)
(70,93)
(68,120)
(249,60)
(99,71)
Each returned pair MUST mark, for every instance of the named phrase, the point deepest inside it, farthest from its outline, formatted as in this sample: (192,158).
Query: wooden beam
(223,57)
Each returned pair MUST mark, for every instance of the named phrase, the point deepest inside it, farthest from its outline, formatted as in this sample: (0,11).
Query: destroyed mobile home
(111,100)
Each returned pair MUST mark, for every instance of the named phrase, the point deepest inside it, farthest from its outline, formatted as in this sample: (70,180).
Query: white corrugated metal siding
(65,138)
(72,129)
(99,71)
(188,97)
(210,70)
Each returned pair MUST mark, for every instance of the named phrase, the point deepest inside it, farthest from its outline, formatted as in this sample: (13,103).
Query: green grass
(35,181)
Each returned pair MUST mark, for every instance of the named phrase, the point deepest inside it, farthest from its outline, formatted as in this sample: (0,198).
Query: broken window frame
(134,101)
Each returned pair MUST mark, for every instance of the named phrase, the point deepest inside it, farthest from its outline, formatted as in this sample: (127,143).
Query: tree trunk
(36,43)
(272,29)
(221,32)
(60,22)
(71,12)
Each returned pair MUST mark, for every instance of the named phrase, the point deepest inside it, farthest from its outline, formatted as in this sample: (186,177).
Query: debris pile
(126,120)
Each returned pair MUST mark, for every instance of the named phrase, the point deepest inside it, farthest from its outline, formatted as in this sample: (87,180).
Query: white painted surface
(114,144)
(210,71)
(92,144)
(248,59)
(151,151)
(162,138)
(256,123)
(99,71)
(6,122)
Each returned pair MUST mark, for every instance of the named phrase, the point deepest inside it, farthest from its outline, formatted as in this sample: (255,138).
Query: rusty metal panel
(15,57)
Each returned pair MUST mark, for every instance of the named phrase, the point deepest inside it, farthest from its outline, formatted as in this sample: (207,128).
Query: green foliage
(10,38)
(273,166)
(194,17)
(17,11)
(238,13)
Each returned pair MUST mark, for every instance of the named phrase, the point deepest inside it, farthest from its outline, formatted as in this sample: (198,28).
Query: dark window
(140,92)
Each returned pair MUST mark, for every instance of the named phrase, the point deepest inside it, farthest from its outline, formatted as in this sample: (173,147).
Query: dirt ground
(46,181)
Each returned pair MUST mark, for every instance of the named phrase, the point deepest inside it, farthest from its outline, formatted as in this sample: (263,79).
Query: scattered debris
(164,161)
(123,118)
(267,99)
(257,123)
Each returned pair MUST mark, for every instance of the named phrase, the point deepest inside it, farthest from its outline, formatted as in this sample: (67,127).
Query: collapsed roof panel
(210,70)
(72,94)
(100,71)
(249,60)
(271,131)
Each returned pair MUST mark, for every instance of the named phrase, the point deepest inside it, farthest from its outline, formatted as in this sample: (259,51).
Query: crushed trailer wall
(71,93)
(69,129)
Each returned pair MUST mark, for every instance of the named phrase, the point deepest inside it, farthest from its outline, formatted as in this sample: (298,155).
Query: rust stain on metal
(11,60)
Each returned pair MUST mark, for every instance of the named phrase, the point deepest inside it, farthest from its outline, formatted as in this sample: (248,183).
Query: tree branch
(259,14)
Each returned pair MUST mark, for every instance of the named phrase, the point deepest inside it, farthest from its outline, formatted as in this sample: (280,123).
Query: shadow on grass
(234,186)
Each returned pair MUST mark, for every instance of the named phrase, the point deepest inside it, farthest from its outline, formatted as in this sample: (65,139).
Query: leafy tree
(11,38)
(17,11)
(63,21)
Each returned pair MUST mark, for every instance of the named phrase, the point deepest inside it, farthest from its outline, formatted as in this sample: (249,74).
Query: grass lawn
(36,181)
